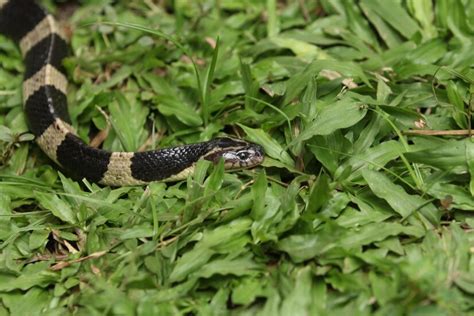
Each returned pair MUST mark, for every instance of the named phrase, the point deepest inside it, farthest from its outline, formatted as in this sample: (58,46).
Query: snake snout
(236,153)
(250,156)
(257,152)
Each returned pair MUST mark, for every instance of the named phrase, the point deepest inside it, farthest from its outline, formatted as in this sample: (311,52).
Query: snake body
(43,46)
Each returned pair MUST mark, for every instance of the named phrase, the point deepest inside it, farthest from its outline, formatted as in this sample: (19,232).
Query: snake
(43,45)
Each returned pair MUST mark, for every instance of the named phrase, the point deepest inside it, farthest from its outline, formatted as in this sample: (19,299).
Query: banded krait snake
(43,46)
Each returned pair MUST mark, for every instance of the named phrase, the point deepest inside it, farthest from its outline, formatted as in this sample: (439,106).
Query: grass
(364,204)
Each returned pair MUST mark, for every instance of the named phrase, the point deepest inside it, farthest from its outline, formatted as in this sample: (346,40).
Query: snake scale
(43,46)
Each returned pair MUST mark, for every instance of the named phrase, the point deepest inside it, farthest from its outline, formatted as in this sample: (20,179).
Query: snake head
(237,153)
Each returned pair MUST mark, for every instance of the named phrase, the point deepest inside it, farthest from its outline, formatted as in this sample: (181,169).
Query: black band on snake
(43,46)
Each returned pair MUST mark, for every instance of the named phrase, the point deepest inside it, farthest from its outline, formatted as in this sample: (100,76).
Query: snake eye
(243,155)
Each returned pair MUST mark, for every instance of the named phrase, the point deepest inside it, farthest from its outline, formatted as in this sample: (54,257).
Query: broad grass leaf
(226,233)
(201,253)
(308,246)
(270,162)
(38,238)
(354,218)
(383,287)
(441,260)
(383,91)
(174,292)
(272,148)
(392,244)
(237,207)
(305,247)
(329,150)
(275,210)
(394,14)
(250,85)
(214,182)
(230,266)
(56,206)
(235,247)
(247,291)
(298,299)
(341,114)
(263,228)
(6,134)
(358,25)
(259,190)
(30,303)
(335,205)
(118,77)
(290,210)
(405,116)
(457,20)
(139,231)
(408,69)
(309,99)
(428,52)
(200,171)
(298,82)
(170,103)
(273,23)
(19,159)
(16,187)
(205,86)
(301,247)
(302,50)
(400,201)
(450,156)
(319,306)
(375,157)
(69,185)
(455,98)
(470,164)
(191,261)
(319,195)
(128,121)
(6,211)
(370,233)
(35,276)
(465,281)
(423,11)
(461,198)
(386,32)
(347,69)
